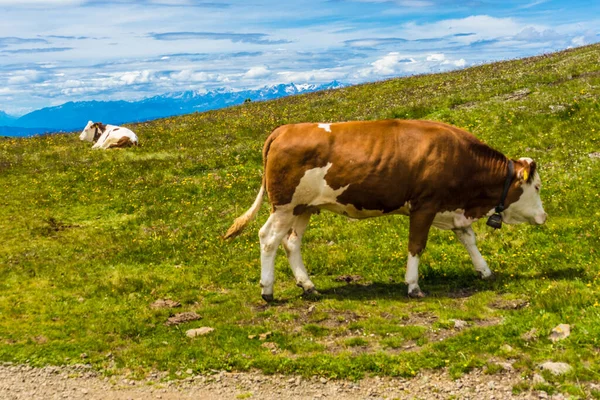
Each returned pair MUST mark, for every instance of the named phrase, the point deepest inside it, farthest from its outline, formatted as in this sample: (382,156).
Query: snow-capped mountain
(74,115)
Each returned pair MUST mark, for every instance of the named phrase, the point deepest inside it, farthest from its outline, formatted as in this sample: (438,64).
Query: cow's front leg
(291,244)
(467,238)
(271,234)
(420,222)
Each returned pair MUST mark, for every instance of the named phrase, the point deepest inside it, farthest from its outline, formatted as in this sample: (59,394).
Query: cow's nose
(541,218)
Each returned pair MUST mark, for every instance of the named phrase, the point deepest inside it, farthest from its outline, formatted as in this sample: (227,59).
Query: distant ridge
(73,116)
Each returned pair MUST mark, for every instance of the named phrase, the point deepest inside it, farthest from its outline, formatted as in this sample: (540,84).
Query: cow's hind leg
(467,238)
(420,222)
(271,234)
(291,244)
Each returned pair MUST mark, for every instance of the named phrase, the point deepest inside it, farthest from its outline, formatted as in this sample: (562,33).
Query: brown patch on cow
(123,142)
(116,129)
(385,164)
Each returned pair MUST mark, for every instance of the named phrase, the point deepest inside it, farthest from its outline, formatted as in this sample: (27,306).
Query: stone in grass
(460,324)
(538,379)
(165,303)
(560,332)
(205,330)
(182,317)
(530,336)
(262,336)
(557,368)
(271,346)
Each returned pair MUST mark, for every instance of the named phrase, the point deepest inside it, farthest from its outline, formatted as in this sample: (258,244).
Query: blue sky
(54,51)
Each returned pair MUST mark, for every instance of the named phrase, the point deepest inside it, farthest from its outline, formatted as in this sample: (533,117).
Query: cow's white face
(88,132)
(529,206)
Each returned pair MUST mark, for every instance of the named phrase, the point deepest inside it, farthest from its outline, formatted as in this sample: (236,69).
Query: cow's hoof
(491,277)
(416,294)
(311,293)
(268,298)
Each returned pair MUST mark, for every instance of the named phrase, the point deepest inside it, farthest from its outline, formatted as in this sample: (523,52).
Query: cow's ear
(525,170)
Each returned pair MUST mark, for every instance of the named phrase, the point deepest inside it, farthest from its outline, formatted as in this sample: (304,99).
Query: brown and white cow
(434,173)
(108,136)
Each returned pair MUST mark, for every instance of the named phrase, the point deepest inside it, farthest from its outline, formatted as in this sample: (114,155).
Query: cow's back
(371,165)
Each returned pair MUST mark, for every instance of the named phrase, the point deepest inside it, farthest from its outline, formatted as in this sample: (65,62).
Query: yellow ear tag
(525,175)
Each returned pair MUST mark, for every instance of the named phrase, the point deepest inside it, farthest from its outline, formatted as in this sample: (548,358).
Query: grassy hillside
(89,239)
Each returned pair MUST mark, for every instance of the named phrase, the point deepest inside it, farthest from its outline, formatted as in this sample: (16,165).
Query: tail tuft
(240,223)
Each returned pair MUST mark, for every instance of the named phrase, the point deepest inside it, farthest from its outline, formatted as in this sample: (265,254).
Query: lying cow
(108,136)
(434,173)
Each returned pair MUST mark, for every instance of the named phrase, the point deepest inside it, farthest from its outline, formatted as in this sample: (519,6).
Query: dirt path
(80,382)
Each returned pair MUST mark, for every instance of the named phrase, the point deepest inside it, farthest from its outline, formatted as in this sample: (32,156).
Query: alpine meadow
(90,239)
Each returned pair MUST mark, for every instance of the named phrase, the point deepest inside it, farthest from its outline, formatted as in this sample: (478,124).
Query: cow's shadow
(464,285)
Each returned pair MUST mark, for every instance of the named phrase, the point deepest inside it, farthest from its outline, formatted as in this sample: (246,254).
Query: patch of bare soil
(22,382)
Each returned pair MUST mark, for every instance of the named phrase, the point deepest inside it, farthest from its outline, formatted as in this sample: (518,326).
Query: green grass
(89,239)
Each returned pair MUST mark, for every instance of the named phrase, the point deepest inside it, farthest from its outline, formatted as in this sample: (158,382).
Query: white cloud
(319,75)
(436,57)
(257,72)
(483,26)
(388,64)
(133,77)
(24,77)
(531,34)
(189,75)
(395,64)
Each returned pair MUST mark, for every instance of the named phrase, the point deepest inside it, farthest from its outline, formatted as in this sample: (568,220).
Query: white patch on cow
(112,135)
(452,220)
(313,189)
(327,127)
(529,206)
(467,238)
(412,273)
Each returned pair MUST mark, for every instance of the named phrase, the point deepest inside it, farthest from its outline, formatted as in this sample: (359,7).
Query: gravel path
(20,382)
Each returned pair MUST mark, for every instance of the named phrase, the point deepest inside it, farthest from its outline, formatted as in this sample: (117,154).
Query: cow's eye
(537,188)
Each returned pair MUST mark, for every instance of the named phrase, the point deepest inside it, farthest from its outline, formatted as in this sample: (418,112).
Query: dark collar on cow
(495,220)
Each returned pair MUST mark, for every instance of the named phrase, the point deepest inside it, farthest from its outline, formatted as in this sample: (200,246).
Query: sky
(55,51)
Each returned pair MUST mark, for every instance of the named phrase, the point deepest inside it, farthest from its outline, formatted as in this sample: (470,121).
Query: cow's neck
(487,189)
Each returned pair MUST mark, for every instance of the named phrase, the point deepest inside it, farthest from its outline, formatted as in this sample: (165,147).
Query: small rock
(506,366)
(557,108)
(264,336)
(507,348)
(557,368)
(165,303)
(560,332)
(189,371)
(205,330)
(538,379)
(251,337)
(530,336)
(83,355)
(182,317)
(460,324)
(595,154)
(323,381)
(271,346)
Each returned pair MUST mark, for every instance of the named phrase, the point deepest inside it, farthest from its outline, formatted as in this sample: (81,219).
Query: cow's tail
(240,223)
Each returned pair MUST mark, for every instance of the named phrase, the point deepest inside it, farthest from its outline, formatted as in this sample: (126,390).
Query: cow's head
(92,131)
(524,202)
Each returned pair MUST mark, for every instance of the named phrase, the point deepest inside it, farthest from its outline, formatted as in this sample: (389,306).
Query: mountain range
(73,116)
